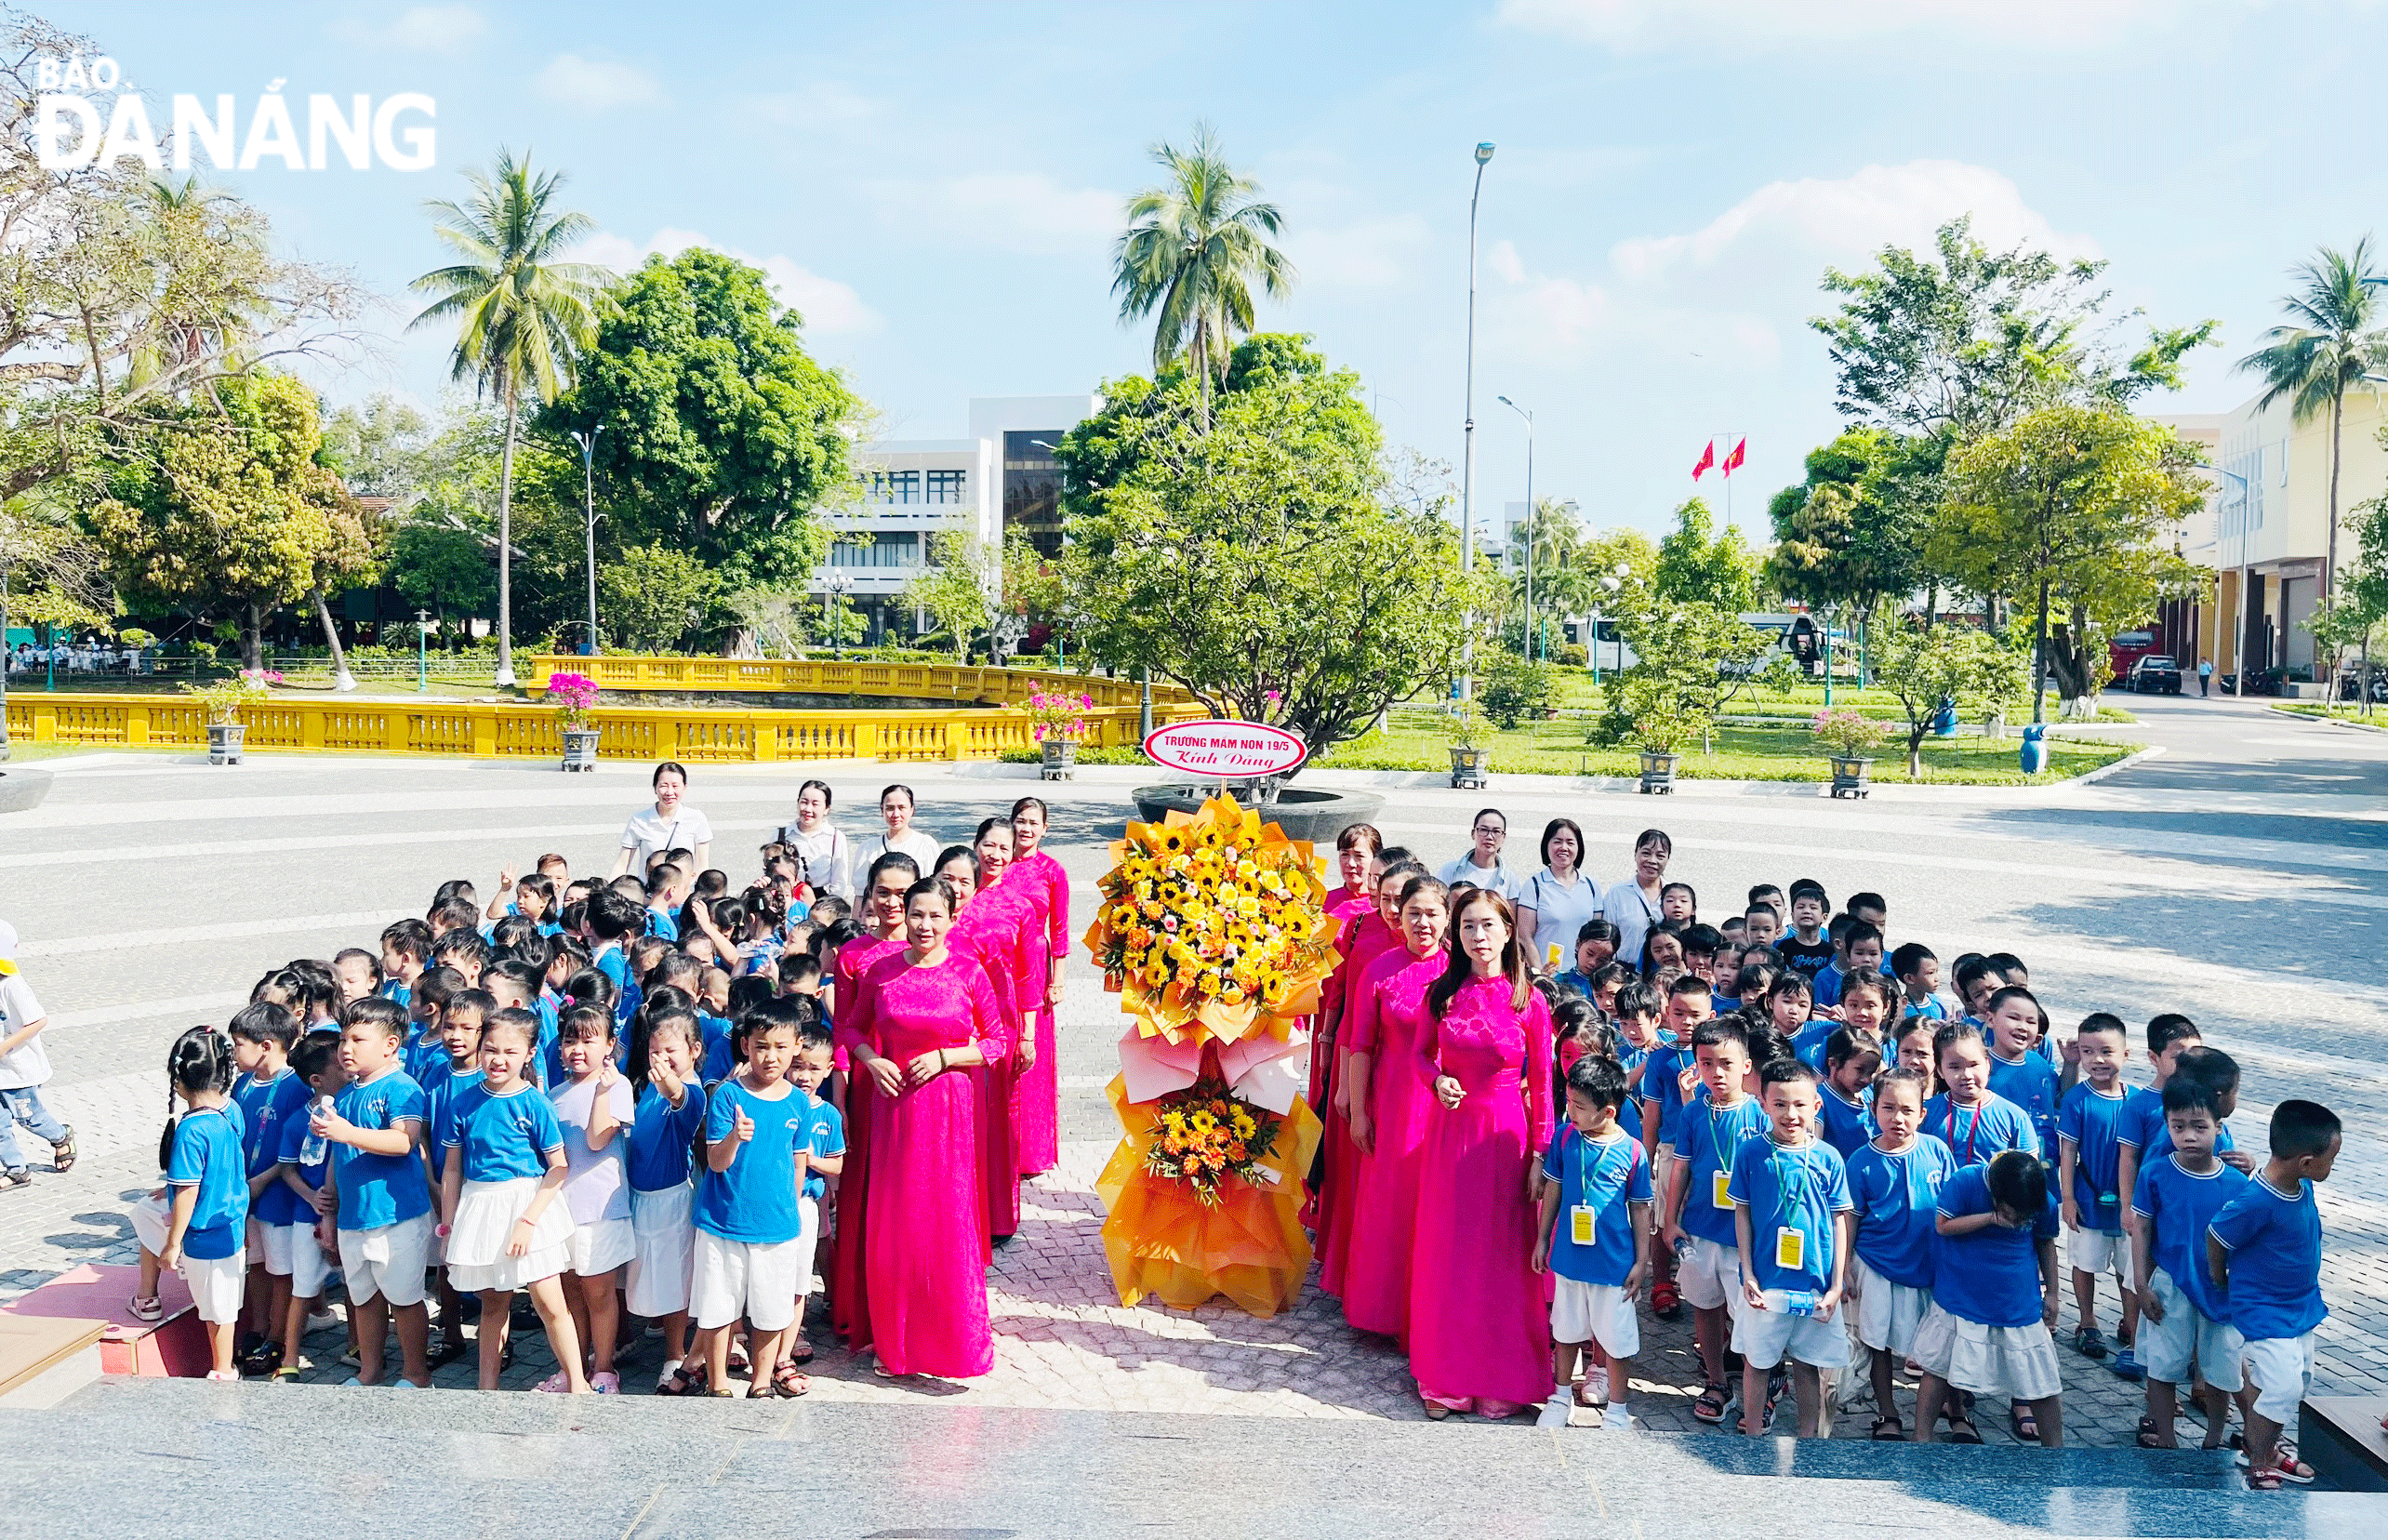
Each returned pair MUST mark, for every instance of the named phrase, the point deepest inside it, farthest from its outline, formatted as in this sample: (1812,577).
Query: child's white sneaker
(1616,1418)
(1556,1411)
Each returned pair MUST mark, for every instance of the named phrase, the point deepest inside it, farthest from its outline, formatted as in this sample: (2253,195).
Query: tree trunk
(252,638)
(2039,659)
(343,680)
(506,549)
(1916,753)
(2329,564)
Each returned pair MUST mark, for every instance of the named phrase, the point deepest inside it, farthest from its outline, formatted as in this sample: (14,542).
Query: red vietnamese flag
(1708,459)
(1732,461)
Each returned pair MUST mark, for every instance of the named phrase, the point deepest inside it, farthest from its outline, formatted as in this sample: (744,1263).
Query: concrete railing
(915,680)
(487,730)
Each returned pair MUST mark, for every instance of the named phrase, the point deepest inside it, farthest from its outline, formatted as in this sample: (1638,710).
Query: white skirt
(485,1214)
(2018,1362)
(664,1256)
(601,1247)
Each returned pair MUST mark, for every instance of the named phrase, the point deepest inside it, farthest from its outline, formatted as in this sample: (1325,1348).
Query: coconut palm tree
(523,316)
(2333,341)
(1192,249)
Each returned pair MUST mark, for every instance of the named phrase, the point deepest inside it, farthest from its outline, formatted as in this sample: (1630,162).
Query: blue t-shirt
(1663,1083)
(2031,1083)
(398,989)
(1845,1125)
(1608,1178)
(664,923)
(2275,1239)
(1931,1008)
(265,1106)
(719,1062)
(662,1138)
(1896,1197)
(378,1190)
(503,1138)
(2143,1127)
(1710,1138)
(1636,1062)
(423,1055)
(441,1082)
(1808,1043)
(754,1200)
(1795,1188)
(2179,1205)
(824,1135)
(294,1153)
(1990,1276)
(611,961)
(207,1155)
(1576,982)
(2090,1121)
(1978,1134)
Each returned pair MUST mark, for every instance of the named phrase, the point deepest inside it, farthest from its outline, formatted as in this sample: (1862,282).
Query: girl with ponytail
(202,1230)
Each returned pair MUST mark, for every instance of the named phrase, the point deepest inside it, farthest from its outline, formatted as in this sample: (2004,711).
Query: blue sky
(937,186)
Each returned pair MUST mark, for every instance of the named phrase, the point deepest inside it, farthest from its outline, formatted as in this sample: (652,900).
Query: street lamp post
(1530,519)
(422,652)
(588,443)
(1609,583)
(1467,436)
(838,583)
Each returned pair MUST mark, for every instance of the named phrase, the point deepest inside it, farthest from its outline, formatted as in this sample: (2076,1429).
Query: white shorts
(151,1217)
(2169,1346)
(486,1216)
(2279,1368)
(1594,1312)
(1766,1337)
(217,1285)
(387,1261)
(761,1281)
(308,1267)
(1887,1313)
(269,1244)
(664,1255)
(253,1238)
(1709,1276)
(2095,1252)
(599,1249)
(2015,1361)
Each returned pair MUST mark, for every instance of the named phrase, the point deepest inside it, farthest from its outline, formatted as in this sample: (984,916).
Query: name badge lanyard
(1972,1130)
(1724,1167)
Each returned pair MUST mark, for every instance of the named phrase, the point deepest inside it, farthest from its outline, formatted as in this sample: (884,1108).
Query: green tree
(1266,564)
(1853,533)
(2075,506)
(655,597)
(722,436)
(1194,246)
(1698,567)
(2333,341)
(1690,657)
(958,587)
(1921,666)
(49,575)
(522,315)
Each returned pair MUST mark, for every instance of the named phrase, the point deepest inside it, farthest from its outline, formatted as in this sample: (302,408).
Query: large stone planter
(1852,775)
(22,788)
(1467,767)
(1060,760)
(224,741)
(1315,816)
(579,749)
(1658,770)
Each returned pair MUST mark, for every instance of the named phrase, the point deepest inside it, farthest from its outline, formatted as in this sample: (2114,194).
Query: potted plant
(1057,721)
(574,695)
(1470,755)
(225,700)
(1849,737)
(1659,732)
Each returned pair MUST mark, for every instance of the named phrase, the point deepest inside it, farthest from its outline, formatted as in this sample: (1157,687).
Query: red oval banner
(1226,750)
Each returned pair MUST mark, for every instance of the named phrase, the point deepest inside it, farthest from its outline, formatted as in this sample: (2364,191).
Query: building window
(1032,488)
(891,549)
(896,487)
(945,487)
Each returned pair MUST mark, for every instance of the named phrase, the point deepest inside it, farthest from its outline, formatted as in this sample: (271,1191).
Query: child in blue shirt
(1845,1096)
(300,1166)
(663,1131)
(207,1171)
(443,1066)
(1895,1179)
(268,1096)
(2187,1317)
(825,1148)
(2088,1166)
(1793,1219)
(1698,1216)
(1993,1299)
(1918,971)
(1595,1174)
(2265,1248)
(754,1257)
(1976,1124)
(382,1217)
(2015,1027)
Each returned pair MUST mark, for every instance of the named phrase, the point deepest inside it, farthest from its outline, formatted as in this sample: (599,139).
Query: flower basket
(1059,717)
(1206,1134)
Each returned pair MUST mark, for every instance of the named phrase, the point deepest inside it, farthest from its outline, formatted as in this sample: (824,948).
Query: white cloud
(594,85)
(1506,261)
(1649,26)
(829,308)
(1367,254)
(1028,212)
(428,29)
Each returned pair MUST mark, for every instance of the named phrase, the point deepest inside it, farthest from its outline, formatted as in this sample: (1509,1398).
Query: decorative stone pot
(1851,775)
(1060,760)
(224,741)
(1658,770)
(1467,767)
(581,748)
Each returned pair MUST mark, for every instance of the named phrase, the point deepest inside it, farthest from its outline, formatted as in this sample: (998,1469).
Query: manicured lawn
(2337,710)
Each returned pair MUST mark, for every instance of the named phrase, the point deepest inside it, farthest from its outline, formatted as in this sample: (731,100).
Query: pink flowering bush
(573,694)
(1847,734)
(1057,717)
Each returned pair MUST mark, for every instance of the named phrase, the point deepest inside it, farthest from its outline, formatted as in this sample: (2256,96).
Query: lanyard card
(1720,1181)
(1579,1221)
(1790,1248)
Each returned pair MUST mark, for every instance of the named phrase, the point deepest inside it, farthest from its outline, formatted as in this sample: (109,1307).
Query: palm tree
(522,317)
(2333,342)
(1191,250)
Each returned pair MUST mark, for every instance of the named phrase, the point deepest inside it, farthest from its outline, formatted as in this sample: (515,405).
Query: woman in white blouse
(670,824)
(1633,905)
(895,805)
(828,854)
(1558,899)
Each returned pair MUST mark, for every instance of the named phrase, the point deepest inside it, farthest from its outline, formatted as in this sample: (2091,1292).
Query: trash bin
(2034,754)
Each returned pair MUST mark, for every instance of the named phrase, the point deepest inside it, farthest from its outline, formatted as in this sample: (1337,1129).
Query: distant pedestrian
(2204,676)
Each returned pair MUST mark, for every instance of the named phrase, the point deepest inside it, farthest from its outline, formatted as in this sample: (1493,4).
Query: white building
(1000,479)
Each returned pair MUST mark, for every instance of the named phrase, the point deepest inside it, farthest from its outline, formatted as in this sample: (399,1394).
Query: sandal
(787,1383)
(2266,1479)
(2025,1427)
(1710,1407)
(148,1307)
(679,1380)
(62,1154)
(1665,1299)
(285,1376)
(1889,1429)
(800,1351)
(1963,1432)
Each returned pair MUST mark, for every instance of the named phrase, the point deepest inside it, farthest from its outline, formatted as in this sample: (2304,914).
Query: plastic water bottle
(311,1149)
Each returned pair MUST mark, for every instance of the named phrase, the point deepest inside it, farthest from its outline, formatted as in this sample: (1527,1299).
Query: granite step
(311,1461)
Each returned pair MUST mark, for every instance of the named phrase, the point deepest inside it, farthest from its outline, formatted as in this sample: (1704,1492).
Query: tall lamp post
(422,652)
(1531,631)
(837,583)
(588,443)
(1609,583)
(1467,435)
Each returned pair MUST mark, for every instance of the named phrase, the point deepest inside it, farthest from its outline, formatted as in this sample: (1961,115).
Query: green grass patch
(2336,711)
(24,751)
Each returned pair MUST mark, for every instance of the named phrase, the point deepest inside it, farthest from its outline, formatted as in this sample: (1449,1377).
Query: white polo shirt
(29,1065)
(649,833)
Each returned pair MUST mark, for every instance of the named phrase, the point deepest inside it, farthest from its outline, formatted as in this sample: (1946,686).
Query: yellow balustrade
(916,681)
(489,730)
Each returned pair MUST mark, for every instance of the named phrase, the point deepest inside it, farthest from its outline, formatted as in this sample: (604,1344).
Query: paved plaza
(2240,875)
